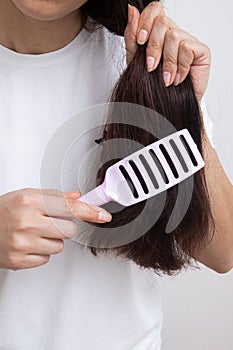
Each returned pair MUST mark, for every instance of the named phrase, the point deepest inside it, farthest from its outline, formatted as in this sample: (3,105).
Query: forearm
(218,254)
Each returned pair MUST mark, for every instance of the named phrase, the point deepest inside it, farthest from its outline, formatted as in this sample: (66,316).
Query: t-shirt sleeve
(207,123)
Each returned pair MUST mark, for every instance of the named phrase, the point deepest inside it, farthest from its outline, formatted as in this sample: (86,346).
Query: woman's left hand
(182,52)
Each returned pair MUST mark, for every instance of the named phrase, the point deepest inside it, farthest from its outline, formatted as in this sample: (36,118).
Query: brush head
(149,171)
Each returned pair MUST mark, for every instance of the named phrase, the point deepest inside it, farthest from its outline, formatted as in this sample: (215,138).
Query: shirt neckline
(45,59)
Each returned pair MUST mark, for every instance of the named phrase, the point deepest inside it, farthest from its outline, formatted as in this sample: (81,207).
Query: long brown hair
(155,249)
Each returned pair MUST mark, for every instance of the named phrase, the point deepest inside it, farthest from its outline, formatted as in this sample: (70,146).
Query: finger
(191,53)
(185,59)
(55,228)
(156,41)
(88,212)
(35,260)
(28,261)
(47,247)
(131,31)
(61,207)
(172,41)
(146,21)
(73,209)
(170,55)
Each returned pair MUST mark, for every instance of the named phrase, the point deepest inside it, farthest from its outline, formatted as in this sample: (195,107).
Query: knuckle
(170,62)
(183,66)
(184,45)
(164,20)
(23,245)
(173,35)
(36,199)
(14,242)
(20,223)
(156,4)
(153,10)
(150,19)
(153,46)
(27,199)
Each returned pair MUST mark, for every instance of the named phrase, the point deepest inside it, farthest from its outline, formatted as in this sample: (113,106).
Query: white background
(198,305)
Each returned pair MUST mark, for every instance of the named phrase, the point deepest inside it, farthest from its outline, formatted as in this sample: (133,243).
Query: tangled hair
(167,253)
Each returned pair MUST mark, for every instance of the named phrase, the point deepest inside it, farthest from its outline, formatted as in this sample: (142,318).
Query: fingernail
(166,78)
(142,37)
(150,63)
(130,14)
(104,216)
(177,79)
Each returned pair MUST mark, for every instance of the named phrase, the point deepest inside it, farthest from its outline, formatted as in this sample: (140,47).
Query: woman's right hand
(33,225)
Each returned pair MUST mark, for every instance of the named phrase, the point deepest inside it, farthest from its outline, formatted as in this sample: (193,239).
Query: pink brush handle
(96,197)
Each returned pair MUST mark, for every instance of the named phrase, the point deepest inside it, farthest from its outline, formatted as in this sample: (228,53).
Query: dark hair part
(155,249)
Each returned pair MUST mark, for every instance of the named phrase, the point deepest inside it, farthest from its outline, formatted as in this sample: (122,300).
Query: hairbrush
(149,171)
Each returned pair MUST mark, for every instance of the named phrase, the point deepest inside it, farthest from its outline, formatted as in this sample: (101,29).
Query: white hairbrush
(149,171)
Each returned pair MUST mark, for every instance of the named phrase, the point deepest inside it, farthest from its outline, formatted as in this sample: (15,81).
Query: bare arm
(218,255)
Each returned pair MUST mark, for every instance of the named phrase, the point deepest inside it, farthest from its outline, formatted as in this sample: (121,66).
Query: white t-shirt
(76,301)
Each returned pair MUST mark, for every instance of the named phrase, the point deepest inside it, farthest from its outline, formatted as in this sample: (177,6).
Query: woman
(52,67)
